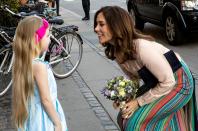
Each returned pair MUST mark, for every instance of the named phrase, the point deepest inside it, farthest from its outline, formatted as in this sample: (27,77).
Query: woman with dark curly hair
(166,100)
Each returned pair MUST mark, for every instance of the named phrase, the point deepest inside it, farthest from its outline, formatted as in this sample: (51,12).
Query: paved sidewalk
(85,107)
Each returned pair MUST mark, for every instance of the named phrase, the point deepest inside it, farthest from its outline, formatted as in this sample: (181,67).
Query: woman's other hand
(116,104)
(129,108)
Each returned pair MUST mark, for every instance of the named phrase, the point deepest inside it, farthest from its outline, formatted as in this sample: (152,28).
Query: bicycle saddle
(73,27)
(57,21)
(23,14)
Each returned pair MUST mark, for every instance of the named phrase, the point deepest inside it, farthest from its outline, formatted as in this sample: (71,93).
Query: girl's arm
(40,74)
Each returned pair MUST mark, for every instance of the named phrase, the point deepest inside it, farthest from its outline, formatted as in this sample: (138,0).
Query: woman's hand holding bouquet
(123,92)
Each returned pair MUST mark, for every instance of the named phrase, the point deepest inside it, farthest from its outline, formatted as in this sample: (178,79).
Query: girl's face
(45,41)
(102,29)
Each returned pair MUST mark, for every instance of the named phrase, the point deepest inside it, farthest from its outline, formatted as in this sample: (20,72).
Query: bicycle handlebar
(5,7)
(21,14)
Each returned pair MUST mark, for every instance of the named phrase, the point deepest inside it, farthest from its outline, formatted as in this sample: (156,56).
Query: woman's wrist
(137,104)
(140,101)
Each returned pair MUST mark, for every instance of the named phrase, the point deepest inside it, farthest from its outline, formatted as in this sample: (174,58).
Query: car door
(151,9)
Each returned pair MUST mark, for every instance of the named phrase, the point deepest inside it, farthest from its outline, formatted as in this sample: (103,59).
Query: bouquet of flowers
(120,89)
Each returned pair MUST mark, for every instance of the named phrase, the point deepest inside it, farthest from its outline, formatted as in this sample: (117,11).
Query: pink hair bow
(41,31)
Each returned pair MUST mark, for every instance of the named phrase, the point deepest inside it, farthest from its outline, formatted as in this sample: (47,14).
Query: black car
(177,16)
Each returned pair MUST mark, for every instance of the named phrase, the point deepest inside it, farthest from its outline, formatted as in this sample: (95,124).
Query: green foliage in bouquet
(120,89)
(6,19)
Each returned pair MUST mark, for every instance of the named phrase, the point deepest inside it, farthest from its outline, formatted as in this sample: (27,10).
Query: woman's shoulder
(143,45)
(147,48)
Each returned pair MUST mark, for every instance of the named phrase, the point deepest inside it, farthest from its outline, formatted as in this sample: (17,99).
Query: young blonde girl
(35,103)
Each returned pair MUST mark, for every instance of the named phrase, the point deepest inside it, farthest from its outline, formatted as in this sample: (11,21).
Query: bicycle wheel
(66,55)
(5,75)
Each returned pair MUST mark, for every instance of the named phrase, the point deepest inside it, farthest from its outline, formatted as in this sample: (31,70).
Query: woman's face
(102,29)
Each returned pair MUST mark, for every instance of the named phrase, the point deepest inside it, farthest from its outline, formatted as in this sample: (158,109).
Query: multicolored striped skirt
(176,111)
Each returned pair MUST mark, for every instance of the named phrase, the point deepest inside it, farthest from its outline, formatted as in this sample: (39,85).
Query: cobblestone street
(5,112)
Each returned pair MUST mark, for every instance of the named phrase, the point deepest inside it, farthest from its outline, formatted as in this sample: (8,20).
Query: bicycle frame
(8,50)
(4,61)
(8,70)
(54,39)
(59,44)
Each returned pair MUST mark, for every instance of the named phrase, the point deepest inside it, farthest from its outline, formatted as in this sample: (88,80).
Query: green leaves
(6,19)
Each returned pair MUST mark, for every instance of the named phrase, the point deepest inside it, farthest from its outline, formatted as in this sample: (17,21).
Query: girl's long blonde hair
(25,49)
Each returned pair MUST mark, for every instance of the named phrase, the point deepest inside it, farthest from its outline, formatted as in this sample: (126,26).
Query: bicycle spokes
(67,54)
(5,70)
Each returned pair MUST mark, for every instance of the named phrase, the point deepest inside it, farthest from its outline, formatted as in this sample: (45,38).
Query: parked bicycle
(6,60)
(64,53)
